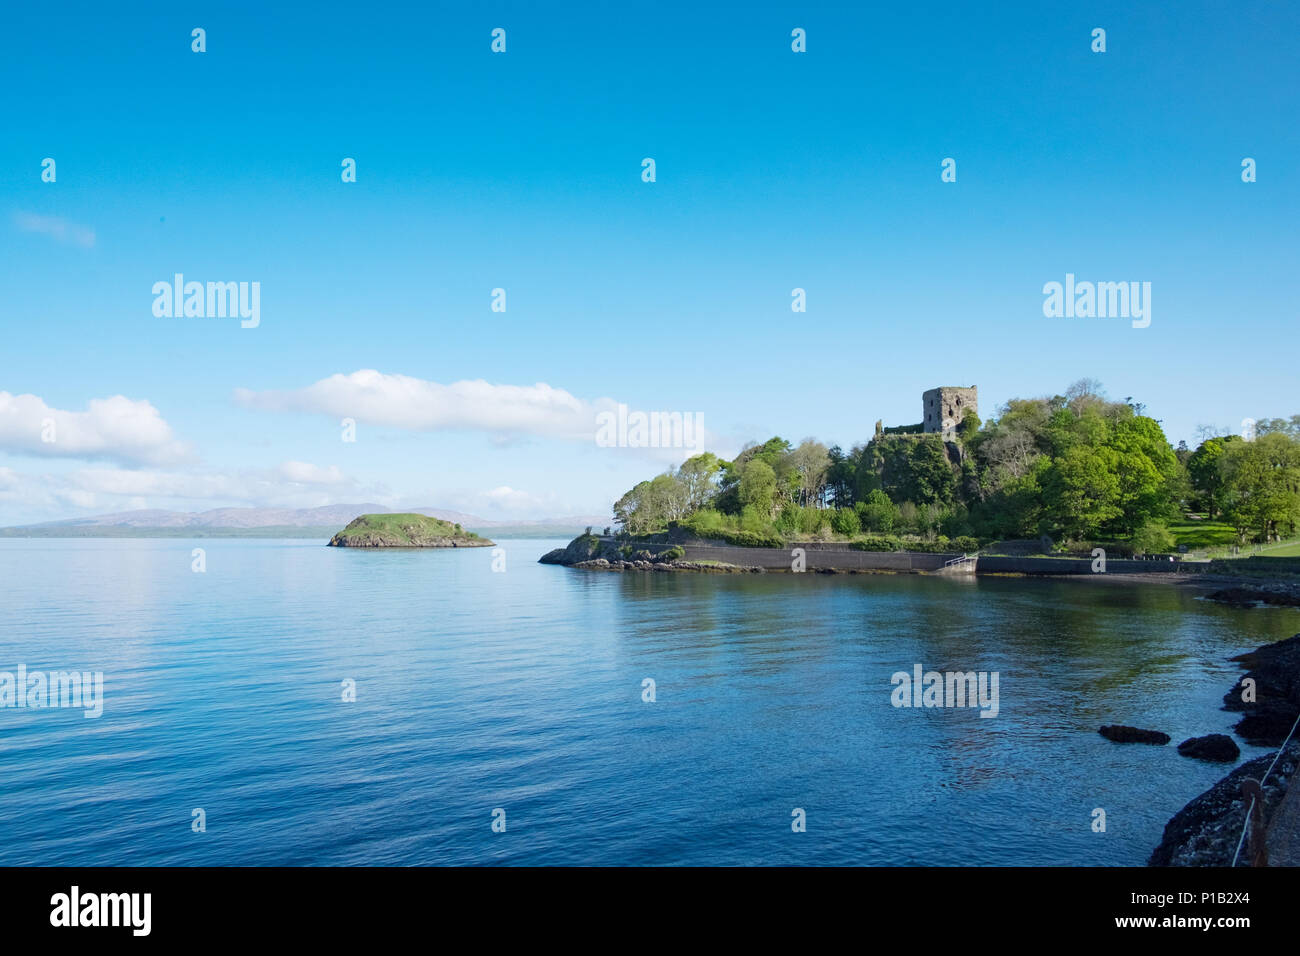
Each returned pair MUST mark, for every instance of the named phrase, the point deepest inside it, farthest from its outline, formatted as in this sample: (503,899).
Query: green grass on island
(405,531)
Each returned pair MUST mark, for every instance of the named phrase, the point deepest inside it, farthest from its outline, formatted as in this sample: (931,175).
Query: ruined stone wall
(945,407)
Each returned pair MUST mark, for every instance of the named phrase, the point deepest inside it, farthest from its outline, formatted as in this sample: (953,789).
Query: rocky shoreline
(1206,831)
(590,553)
(1279,593)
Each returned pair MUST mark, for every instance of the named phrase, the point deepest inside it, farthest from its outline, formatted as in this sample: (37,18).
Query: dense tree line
(1076,467)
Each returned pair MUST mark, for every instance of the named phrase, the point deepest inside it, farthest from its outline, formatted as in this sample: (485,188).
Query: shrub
(753,518)
(749,530)
(753,539)
(907,517)
(876,542)
(937,545)
(703,523)
(1152,537)
(845,521)
(788,521)
(877,513)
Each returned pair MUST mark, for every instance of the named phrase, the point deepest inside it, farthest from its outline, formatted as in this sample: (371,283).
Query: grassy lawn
(1291,550)
(1216,540)
(1201,535)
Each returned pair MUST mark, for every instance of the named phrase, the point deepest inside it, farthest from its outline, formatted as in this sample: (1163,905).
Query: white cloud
(305,473)
(291,485)
(506,498)
(250,487)
(56,228)
(121,482)
(506,412)
(114,428)
(412,403)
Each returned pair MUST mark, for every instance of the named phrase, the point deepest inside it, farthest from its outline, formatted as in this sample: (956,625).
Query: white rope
(1280,749)
(1278,756)
(1242,838)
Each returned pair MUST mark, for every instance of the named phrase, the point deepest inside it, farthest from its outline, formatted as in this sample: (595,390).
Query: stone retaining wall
(999,564)
(819,555)
(843,559)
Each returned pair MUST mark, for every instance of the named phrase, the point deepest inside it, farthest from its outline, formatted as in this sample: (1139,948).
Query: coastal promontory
(405,531)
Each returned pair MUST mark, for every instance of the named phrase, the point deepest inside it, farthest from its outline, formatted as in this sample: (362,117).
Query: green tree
(1083,491)
(917,470)
(757,487)
(810,462)
(840,477)
(1262,485)
(699,474)
(1205,471)
(1147,471)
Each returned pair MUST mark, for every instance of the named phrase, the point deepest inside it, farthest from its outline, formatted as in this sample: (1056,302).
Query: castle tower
(945,407)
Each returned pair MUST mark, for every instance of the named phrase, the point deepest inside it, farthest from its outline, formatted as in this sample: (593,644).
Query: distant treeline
(1075,467)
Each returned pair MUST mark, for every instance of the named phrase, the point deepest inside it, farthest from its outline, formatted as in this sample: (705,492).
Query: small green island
(405,531)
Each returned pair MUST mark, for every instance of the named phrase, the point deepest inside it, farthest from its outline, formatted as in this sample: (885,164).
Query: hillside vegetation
(1073,470)
(405,531)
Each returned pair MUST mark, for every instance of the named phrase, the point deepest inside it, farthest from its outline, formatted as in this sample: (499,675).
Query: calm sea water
(522,691)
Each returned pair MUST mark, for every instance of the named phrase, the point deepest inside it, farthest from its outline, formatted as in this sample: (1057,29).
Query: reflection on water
(522,690)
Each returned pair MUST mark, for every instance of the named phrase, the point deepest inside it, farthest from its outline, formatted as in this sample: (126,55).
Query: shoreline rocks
(1276,594)
(1274,682)
(1206,831)
(604,564)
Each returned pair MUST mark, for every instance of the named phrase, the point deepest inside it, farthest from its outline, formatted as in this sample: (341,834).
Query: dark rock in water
(1132,735)
(1236,597)
(1250,596)
(1274,679)
(1217,747)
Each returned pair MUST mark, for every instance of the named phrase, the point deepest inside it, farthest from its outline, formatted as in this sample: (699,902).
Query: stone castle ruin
(945,407)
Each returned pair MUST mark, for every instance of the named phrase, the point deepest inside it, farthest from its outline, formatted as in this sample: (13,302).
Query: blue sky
(522,171)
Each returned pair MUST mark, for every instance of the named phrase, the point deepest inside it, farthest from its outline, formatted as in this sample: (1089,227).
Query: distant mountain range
(285,522)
